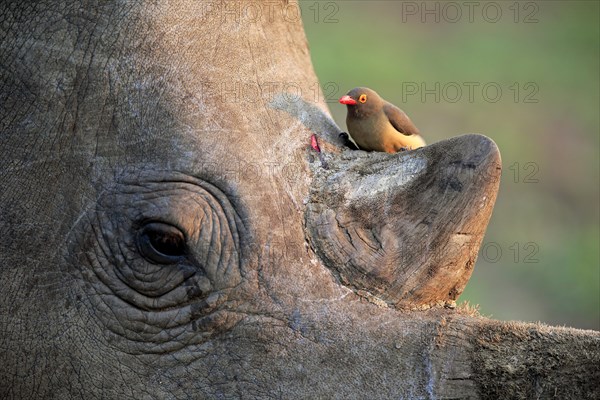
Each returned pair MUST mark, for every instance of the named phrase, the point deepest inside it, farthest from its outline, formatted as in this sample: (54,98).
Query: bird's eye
(362,98)
(161,243)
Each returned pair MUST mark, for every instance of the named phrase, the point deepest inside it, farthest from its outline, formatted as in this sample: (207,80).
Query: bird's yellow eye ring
(362,98)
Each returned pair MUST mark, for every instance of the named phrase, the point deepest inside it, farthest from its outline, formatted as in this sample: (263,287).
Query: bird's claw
(346,141)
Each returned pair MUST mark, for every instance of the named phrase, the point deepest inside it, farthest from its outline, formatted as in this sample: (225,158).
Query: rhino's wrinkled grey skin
(153,225)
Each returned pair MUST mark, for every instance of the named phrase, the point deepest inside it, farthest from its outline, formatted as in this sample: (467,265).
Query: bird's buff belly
(389,141)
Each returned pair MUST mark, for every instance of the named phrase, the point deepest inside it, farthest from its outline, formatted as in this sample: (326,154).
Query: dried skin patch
(520,360)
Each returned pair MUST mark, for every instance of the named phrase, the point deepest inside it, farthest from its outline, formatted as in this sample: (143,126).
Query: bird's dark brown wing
(400,120)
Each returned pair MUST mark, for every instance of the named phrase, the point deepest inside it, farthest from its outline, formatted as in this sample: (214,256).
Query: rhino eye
(161,243)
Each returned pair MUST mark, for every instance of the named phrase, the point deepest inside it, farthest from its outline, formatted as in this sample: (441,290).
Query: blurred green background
(535,76)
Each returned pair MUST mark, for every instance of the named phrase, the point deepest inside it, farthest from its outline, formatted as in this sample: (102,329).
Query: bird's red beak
(347,100)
